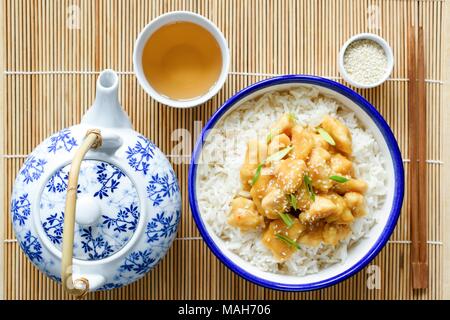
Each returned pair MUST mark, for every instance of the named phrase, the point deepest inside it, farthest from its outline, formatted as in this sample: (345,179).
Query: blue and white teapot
(97,205)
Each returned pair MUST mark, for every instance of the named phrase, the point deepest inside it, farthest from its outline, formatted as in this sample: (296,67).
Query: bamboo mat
(50,65)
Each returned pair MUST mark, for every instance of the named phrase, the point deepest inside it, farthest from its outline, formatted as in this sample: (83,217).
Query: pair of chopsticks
(417,149)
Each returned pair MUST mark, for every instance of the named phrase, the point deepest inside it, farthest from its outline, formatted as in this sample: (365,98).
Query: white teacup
(171,17)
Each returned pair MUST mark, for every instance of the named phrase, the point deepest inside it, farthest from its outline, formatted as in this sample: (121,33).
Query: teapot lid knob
(88,210)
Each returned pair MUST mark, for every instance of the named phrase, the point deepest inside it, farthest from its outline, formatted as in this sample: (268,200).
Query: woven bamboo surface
(48,79)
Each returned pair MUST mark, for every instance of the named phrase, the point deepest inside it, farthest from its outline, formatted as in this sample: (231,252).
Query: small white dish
(172,17)
(387,49)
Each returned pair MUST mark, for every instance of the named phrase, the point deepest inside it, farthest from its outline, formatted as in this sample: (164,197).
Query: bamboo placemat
(52,52)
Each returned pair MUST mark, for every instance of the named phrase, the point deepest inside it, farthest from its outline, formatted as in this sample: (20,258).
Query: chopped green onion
(293,201)
(292,116)
(287,240)
(339,179)
(274,157)
(308,183)
(257,174)
(269,137)
(279,155)
(326,136)
(286,219)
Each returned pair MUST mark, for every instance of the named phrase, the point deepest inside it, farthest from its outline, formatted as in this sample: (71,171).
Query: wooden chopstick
(422,265)
(417,149)
(413,165)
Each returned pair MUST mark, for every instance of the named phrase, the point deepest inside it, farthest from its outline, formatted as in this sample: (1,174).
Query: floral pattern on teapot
(107,184)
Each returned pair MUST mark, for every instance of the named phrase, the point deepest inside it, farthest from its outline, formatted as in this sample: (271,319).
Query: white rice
(223,154)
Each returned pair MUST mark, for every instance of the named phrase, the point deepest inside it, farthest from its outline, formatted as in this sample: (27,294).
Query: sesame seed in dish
(365,61)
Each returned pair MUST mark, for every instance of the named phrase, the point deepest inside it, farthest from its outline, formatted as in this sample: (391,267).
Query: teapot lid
(107,212)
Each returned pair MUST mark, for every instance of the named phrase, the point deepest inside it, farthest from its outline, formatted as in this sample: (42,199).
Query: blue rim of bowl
(398,173)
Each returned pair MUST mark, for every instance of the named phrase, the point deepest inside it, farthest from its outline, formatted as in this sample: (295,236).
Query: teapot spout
(106,110)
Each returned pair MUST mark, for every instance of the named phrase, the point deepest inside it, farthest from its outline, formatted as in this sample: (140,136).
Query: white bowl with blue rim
(128,203)
(366,249)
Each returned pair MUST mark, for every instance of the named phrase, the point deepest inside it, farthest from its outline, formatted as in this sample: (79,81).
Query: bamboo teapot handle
(78,287)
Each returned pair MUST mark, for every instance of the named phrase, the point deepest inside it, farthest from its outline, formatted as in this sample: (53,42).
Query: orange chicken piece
(311,237)
(321,208)
(283,125)
(244,215)
(340,134)
(277,143)
(303,198)
(303,142)
(355,201)
(332,234)
(341,165)
(355,185)
(259,190)
(256,154)
(280,249)
(319,142)
(319,169)
(343,214)
(289,174)
(274,203)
